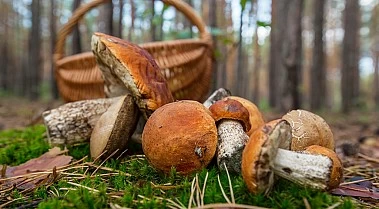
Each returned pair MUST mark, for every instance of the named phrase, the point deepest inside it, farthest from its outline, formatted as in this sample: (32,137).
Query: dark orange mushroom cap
(230,109)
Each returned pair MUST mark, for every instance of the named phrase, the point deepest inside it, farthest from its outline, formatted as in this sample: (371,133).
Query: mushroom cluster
(187,135)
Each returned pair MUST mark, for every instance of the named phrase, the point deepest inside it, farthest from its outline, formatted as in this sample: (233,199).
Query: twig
(113,153)
(368,158)
(203,191)
(230,184)
(192,193)
(306,203)
(222,190)
(85,187)
(334,205)
(229,205)
(358,181)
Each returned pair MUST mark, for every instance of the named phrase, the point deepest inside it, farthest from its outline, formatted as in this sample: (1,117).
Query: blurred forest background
(281,54)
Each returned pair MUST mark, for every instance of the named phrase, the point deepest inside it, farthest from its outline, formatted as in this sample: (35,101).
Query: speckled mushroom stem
(231,141)
(73,122)
(303,168)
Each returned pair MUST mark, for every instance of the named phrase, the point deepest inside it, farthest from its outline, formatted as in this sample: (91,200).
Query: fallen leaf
(16,175)
(364,189)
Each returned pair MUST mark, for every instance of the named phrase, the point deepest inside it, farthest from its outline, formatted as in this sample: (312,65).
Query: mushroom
(255,116)
(308,129)
(182,135)
(114,128)
(232,120)
(266,153)
(126,67)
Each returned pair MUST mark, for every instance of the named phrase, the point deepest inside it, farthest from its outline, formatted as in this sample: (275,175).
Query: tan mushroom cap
(114,127)
(182,135)
(309,129)
(255,116)
(259,154)
(127,67)
(336,175)
(228,108)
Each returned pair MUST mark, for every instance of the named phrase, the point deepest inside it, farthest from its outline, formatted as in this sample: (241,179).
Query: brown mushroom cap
(114,127)
(308,129)
(127,67)
(255,116)
(259,154)
(336,175)
(228,108)
(180,134)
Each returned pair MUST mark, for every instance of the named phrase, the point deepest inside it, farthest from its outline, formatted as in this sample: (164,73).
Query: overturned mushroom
(127,67)
(114,128)
(308,129)
(182,135)
(266,153)
(232,122)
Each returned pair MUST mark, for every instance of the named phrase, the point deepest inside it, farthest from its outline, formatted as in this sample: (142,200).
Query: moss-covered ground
(131,182)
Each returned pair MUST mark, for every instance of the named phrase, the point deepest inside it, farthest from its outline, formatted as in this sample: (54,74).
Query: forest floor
(356,134)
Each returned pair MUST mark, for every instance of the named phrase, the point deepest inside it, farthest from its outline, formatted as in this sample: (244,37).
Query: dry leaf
(48,161)
(363,189)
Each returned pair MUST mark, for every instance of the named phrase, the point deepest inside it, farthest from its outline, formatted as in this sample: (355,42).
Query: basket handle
(82,10)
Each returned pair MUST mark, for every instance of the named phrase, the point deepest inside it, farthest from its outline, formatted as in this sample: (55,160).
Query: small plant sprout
(232,120)
(267,153)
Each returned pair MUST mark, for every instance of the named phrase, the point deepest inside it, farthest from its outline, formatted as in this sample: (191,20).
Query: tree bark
(4,60)
(53,38)
(350,56)
(106,18)
(34,64)
(376,77)
(213,24)
(152,23)
(318,73)
(76,43)
(286,55)
(257,59)
(239,65)
(120,27)
(132,16)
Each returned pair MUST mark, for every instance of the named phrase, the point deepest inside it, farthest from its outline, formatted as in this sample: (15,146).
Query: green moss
(138,185)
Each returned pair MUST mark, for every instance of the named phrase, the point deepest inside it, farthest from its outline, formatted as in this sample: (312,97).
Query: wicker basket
(186,64)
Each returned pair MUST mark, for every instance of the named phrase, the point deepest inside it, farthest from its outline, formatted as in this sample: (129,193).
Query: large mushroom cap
(336,175)
(114,127)
(259,154)
(181,135)
(255,116)
(127,67)
(308,129)
(228,108)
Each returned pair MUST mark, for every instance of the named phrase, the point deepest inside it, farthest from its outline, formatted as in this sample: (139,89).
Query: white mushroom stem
(304,169)
(231,141)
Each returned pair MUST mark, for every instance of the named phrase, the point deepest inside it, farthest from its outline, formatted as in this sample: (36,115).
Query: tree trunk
(152,23)
(286,51)
(106,18)
(34,64)
(53,38)
(318,73)
(213,24)
(76,43)
(350,56)
(275,48)
(239,65)
(376,77)
(257,58)
(4,47)
(120,27)
(132,16)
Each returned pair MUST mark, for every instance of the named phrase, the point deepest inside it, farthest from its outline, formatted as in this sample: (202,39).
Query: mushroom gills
(117,83)
(303,168)
(231,141)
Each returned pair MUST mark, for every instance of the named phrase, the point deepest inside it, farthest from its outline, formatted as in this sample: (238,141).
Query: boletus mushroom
(114,128)
(232,120)
(127,68)
(308,129)
(182,135)
(267,153)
